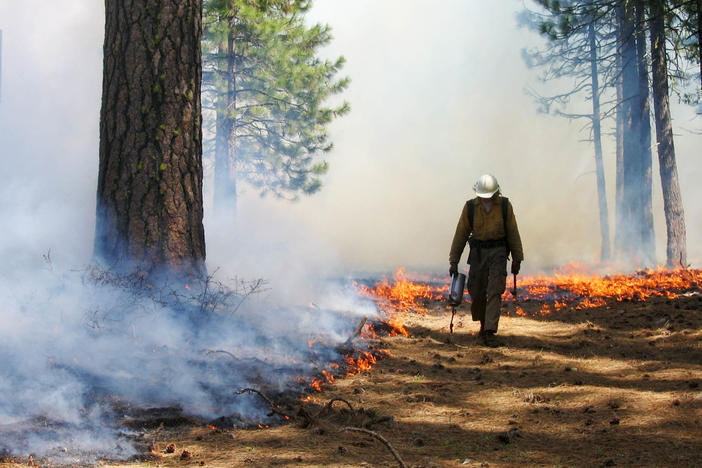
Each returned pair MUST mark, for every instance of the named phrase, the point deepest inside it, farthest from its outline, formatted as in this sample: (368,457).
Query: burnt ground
(619,385)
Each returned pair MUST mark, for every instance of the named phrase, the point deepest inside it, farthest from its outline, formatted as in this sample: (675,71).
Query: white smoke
(77,351)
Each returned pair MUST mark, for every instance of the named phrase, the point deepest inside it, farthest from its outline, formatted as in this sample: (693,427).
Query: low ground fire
(609,344)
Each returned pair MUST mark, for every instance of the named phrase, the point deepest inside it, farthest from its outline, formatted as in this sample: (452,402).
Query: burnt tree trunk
(605,250)
(676,248)
(225,147)
(149,197)
(648,244)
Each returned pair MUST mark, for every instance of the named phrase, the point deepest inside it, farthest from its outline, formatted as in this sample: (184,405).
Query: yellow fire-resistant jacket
(488,226)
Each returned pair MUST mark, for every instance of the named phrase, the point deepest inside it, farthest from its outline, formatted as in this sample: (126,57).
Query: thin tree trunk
(648,244)
(619,174)
(149,197)
(221,147)
(225,155)
(232,111)
(629,220)
(605,250)
(676,244)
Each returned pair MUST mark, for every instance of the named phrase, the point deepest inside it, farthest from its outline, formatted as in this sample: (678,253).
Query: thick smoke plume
(81,346)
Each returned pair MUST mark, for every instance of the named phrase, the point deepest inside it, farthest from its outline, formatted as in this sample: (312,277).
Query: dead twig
(380,438)
(328,406)
(346,346)
(215,351)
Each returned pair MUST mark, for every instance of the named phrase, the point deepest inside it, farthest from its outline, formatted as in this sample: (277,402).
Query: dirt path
(618,385)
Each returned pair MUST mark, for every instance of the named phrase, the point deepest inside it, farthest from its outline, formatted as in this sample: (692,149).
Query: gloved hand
(453,269)
(515,267)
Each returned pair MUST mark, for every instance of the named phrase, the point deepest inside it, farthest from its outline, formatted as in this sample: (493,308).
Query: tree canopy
(265,58)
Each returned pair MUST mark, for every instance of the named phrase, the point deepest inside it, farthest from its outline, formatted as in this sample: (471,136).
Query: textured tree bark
(648,241)
(225,150)
(676,245)
(149,197)
(605,250)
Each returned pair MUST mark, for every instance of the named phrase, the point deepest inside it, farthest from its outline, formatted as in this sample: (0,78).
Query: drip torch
(458,283)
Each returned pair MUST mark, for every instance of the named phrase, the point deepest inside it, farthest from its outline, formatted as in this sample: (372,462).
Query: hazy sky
(437,97)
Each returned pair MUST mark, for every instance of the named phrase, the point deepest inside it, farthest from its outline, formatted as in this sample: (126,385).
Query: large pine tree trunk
(605,250)
(225,193)
(149,198)
(676,249)
(648,243)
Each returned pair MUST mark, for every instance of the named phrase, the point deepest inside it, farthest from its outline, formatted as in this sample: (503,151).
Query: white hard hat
(486,186)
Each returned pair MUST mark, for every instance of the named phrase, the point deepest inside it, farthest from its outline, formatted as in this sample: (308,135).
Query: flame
(362,363)
(402,295)
(578,287)
(574,285)
(397,298)
(316,385)
(329,376)
(211,427)
(368,332)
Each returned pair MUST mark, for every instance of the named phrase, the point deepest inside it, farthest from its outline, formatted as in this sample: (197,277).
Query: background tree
(676,242)
(580,49)
(268,89)
(149,196)
(580,34)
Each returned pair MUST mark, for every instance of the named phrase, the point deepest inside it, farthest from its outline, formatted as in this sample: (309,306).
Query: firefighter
(488,225)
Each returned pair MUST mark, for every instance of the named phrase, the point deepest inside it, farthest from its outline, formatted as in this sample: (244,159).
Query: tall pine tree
(579,49)
(269,90)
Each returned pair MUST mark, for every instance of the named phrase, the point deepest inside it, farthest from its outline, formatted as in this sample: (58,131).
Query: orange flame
(402,295)
(364,362)
(316,385)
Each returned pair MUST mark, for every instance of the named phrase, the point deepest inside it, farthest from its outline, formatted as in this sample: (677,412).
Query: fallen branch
(328,406)
(358,329)
(273,407)
(215,351)
(380,438)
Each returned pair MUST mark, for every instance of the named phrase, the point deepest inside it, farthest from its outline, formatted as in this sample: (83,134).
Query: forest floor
(616,385)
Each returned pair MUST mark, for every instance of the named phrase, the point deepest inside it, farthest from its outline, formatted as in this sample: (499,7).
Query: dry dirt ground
(619,385)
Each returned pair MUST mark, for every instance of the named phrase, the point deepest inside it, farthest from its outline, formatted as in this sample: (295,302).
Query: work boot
(490,340)
(481,333)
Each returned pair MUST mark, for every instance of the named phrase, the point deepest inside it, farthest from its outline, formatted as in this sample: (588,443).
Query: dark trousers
(487,277)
